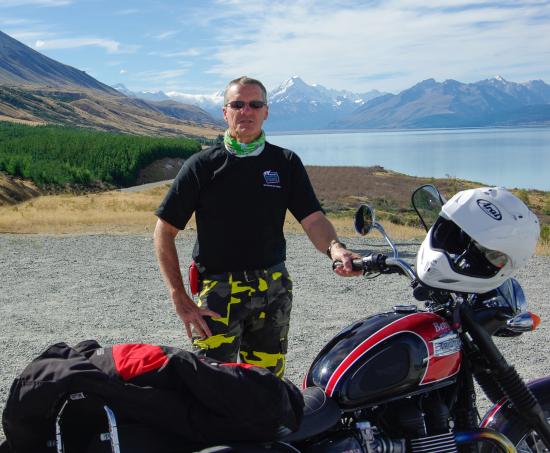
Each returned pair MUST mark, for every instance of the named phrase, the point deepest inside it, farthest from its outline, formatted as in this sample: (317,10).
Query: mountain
(295,105)
(22,66)
(38,90)
(146,95)
(185,112)
(431,104)
(211,103)
(172,106)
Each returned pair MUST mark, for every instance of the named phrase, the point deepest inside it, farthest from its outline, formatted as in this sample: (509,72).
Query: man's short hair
(244,80)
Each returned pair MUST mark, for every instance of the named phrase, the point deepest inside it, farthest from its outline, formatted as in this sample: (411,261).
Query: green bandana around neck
(243,149)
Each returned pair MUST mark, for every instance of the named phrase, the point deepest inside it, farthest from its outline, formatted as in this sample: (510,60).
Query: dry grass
(344,227)
(107,212)
(133,212)
(543,248)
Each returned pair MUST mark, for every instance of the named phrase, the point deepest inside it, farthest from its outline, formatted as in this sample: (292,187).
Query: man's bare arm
(321,233)
(167,256)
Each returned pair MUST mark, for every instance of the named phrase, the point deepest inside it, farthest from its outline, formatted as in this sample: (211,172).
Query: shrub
(545,234)
(546,206)
(60,155)
(523,195)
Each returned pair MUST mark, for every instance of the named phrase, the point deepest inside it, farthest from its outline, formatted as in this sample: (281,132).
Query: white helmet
(481,238)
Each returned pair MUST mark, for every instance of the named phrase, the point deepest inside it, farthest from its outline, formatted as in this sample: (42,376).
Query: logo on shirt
(272,179)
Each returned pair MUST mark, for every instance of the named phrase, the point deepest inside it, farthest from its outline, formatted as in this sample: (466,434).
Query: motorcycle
(404,380)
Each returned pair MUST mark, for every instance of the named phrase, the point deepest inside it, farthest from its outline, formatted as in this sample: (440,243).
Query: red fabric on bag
(132,360)
(242,365)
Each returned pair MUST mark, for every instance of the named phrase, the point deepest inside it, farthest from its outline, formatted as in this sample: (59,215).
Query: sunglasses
(238,105)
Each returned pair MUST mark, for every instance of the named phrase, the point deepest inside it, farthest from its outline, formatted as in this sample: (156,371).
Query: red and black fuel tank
(385,356)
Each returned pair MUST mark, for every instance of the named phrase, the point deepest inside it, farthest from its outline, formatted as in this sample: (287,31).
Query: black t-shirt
(240,205)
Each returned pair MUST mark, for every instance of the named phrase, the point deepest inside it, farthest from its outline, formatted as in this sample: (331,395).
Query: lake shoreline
(508,157)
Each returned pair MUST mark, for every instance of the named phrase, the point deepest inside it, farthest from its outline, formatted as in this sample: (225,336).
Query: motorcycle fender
(501,415)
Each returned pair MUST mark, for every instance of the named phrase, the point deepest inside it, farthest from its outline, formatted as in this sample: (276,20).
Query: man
(239,191)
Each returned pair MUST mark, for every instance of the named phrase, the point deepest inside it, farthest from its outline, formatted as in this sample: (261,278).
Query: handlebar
(376,262)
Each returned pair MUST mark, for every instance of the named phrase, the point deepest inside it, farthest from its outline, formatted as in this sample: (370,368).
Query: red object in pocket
(193,278)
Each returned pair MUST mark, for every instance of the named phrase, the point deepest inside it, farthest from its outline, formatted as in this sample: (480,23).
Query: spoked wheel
(531,443)
(516,430)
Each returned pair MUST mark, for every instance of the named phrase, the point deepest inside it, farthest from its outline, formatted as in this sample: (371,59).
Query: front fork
(512,386)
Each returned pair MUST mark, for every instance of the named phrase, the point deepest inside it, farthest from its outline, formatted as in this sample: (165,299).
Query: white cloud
(127,12)
(109,45)
(385,45)
(11,22)
(165,35)
(47,3)
(122,71)
(158,76)
(30,36)
(183,53)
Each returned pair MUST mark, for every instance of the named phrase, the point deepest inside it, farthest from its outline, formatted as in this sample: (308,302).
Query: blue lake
(509,157)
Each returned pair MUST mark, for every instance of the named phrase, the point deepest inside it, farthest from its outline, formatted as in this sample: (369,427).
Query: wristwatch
(333,243)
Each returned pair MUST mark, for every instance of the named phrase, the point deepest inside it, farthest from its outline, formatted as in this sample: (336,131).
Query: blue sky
(197,46)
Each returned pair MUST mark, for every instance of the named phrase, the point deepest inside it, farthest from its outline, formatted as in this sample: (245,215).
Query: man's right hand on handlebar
(340,254)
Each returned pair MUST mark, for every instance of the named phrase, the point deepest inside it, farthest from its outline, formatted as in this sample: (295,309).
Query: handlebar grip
(374,262)
(356,264)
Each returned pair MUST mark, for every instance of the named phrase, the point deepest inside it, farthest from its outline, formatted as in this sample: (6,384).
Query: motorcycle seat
(320,413)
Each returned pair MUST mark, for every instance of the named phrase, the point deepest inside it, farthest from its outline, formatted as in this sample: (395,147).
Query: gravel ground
(108,287)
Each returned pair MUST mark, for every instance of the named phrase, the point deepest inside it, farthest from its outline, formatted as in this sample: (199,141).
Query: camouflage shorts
(254,319)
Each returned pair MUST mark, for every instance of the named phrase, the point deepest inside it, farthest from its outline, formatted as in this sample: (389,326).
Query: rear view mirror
(427,202)
(364,219)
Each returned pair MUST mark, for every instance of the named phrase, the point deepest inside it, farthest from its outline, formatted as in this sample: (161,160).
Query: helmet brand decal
(490,209)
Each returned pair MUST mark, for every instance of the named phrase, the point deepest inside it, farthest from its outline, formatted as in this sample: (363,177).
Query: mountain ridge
(36,89)
(432,104)
(40,70)
(293,105)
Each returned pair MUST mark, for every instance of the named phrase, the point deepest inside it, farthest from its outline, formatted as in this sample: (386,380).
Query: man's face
(245,124)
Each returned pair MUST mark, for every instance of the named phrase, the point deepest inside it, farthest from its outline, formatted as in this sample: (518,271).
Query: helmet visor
(465,255)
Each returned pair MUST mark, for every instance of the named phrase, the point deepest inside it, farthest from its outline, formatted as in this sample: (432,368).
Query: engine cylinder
(443,443)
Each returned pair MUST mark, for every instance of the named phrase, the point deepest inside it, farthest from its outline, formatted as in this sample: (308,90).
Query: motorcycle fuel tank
(385,356)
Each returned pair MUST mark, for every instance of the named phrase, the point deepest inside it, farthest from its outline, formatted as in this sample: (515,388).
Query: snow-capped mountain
(172,106)
(293,105)
(296,105)
(212,103)
(147,95)
(432,104)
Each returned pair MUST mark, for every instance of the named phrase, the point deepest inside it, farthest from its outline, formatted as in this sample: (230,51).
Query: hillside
(22,66)
(15,190)
(89,108)
(430,104)
(35,89)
